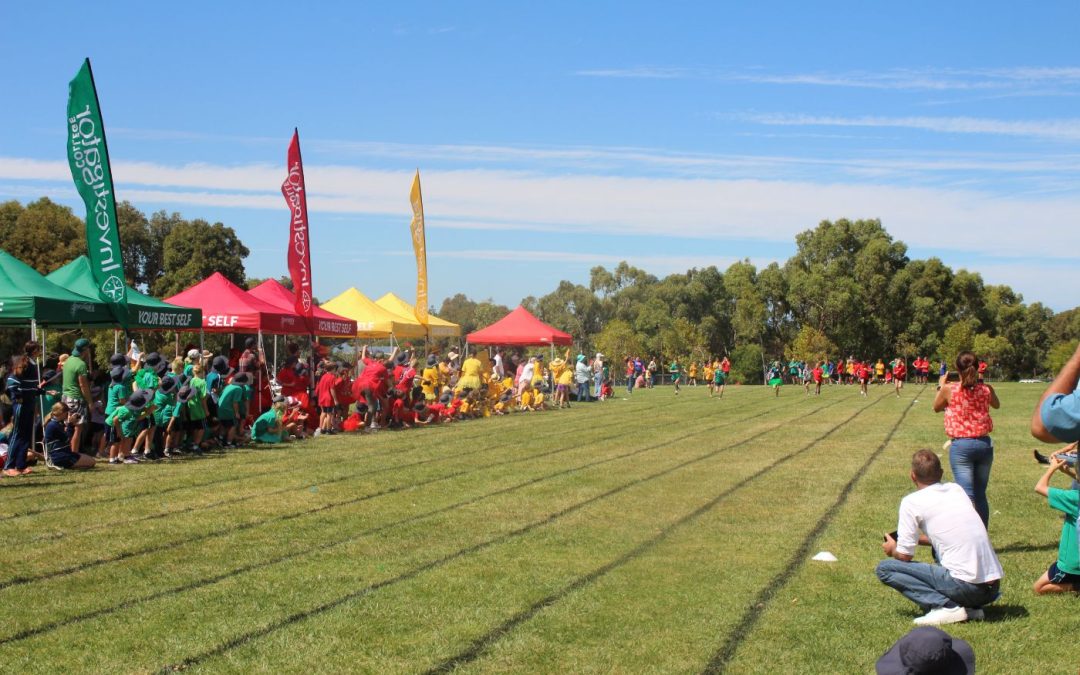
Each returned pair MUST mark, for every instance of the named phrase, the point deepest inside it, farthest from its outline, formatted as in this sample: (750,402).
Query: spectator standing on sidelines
(75,392)
(968,423)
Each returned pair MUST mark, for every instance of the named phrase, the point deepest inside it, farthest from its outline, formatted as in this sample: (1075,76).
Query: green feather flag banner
(88,158)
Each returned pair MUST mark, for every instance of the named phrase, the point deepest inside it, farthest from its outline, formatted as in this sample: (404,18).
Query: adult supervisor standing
(75,392)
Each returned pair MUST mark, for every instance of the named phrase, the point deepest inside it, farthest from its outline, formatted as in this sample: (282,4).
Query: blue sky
(552,137)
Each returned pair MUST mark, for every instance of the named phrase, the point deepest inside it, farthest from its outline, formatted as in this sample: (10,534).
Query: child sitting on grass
(58,443)
(1063,576)
(268,427)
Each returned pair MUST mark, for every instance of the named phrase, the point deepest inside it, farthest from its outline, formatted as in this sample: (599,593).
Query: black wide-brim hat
(242,379)
(927,649)
(220,365)
(185,394)
(167,384)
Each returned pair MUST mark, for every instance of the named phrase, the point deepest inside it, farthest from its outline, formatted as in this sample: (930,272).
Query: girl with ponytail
(968,424)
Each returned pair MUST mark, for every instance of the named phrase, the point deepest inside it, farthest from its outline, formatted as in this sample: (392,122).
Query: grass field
(655,534)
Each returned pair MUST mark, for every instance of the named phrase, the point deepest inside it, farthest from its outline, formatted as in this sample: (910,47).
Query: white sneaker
(942,616)
(975,613)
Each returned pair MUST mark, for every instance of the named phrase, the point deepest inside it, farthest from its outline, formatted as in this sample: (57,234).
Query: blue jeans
(598,382)
(583,391)
(970,459)
(931,586)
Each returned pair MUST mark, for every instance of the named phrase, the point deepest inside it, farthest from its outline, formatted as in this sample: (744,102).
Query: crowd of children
(145,407)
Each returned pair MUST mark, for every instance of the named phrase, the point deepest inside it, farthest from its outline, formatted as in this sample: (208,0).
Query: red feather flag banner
(299,255)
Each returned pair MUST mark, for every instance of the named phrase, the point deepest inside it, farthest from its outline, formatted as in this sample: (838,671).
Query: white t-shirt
(943,512)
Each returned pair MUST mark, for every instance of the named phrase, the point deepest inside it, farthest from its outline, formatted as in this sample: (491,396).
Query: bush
(746,365)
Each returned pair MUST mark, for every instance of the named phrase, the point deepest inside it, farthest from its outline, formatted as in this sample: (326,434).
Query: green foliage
(811,345)
(617,340)
(747,364)
(1059,355)
(471,315)
(959,337)
(195,249)
(43,234)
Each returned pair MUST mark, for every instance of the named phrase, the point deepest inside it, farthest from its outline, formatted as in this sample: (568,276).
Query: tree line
(849,289)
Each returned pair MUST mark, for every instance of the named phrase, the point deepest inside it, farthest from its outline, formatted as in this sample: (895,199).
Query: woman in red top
(967,406)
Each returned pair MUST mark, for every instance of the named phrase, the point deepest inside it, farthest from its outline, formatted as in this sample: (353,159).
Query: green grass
(655,534)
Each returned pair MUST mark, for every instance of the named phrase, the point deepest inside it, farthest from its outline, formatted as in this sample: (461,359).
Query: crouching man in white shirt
(940,514)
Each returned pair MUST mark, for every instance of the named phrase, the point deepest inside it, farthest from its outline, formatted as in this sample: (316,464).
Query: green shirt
(129,421)
(1068,502)
(73,368)
(233,393)
(163,407)
(117,397)
(195,405)
(146,378)
(263,424)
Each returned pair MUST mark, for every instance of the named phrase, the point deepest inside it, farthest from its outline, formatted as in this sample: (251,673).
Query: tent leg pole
(275,353)
(33,329)
(259,351)
(115,341)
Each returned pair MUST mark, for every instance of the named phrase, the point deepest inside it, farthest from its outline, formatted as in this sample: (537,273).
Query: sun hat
(118,360)
(185,394)
(161,368)
(193,353)
(206,354)
(152,359)
(242,379)
(167,384)
(927,649)
(220,365)
(119,373)
(580,357)
(138,401)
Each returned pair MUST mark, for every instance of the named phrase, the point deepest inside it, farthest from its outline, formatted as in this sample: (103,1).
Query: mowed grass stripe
(478,547)
(723,656)
(307,481)
(480,645)
(198,583)
(417,439)
(232,529)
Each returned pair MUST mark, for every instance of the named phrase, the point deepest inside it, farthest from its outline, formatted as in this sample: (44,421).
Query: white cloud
(1034,80)
(1060,129)
(769,210)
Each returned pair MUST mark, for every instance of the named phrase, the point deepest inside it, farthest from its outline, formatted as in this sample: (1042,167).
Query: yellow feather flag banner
(419,242)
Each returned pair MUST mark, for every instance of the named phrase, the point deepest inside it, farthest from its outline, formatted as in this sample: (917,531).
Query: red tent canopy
(519,328)
(227,308)
(326,323)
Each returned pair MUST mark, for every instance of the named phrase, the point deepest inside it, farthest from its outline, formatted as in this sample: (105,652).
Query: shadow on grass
(994,613)
(1027,548)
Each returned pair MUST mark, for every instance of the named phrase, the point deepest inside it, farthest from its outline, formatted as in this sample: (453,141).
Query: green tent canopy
(26,295)
(146,313)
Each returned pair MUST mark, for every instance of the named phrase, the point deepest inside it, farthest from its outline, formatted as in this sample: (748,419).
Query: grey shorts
(76,409)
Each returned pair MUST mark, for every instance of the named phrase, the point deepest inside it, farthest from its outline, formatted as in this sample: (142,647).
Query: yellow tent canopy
(436,327)
(372,320)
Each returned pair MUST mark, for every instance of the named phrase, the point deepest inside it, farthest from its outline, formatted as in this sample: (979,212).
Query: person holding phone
(967,574)
(968,425)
